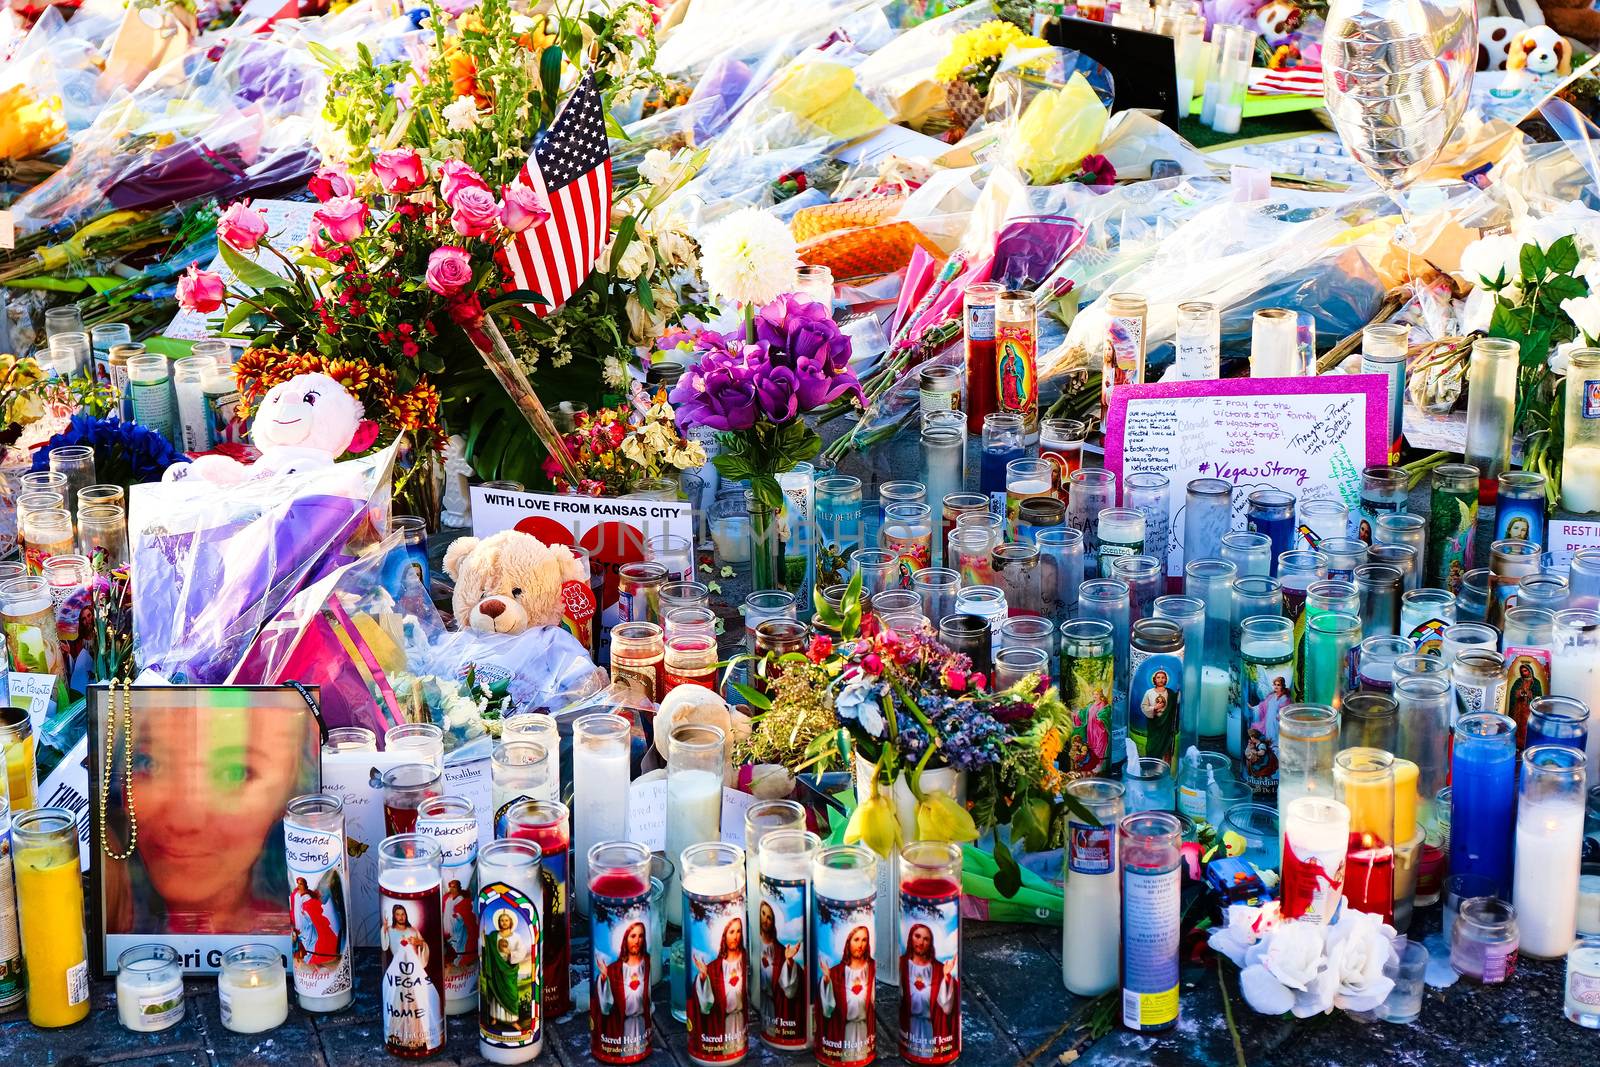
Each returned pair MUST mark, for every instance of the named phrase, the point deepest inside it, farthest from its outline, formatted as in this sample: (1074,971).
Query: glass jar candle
(1196,771)
(907,533)
(814,282)
(509,910)
(638,658)
(1012,665)
(1197,344)
(1250,552)
(547,824)
(780,900)
(939,392)
(1308,740)
(518,771)
(1090,491)
(1086,685)
(1189,615)
(617,895)
(1148,492)
(686,594)
(600,747)
(1252,596)
(1547,591)
(76,462)
(1149,844)
(1061,444)
(1274,339)
(1330,640)
(1257,826)
(1126,337)
(1452,523)
(761,820)
(1424,615)
(879,569)
(1266,686)
(1582,1001)
(1402,558)
(1478,677)
(929,951)
(417,742)
(1575,668)
(1038,514)
(836,510)
(1002,443)
(405,787)
(1155,665)
(718,992)
(1383,492)
(1519,508)
(1270,512)
(1459,636)
(1424,709)
(1316,841)
(673,552)
(1583,579)
(1549,848)
(968,635)
(1383,351)
(1509,563)
(1558,721)
(1118,532)
(18,747)
(1485,940)
(1016,355)
(944,463)
(1092,905)
(103,531)
(696,764)
(149,989)
(150,394)
(1108,600)
(1363,780)
(1145,577)
(1148,785)
(319,879)
(1483,797)
(49,899)
(1403,529)
(1472,596)
(970,545)
(1297,571)
(844,884)
(690,653)
(1369,720)
(1029,631)
(1211,580)
(936,588)
(1328,596)
(1343,555)
(1207,516)
(253,993)
(1380,586)
(1580,460)
(1060,570)
(1320,519)
(1027,479)
(639,590)
(45,533)
(987,602)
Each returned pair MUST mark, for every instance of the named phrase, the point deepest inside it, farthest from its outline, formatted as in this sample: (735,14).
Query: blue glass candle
(1483,797)
(1002,443)
(1558,721)
(1270,512)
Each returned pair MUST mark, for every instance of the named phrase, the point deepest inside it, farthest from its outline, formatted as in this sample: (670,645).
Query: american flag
(572,160)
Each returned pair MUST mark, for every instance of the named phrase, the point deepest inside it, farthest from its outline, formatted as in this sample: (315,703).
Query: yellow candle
(50,907)
(1405,801)
(19,773)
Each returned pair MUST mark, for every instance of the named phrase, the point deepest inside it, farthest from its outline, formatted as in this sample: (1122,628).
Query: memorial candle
(1483,797)
(413,946)
(760,819)
(929,952)
(405,787)
(600,744)
(717,975)
(1308,740)
(50,914)
(1549,849)
(1092,909)
(510,927)
(452,824)
(252,993)
(149,989)
(1316,834)
(844,891)
(1149,857)
(621,970)
(782,946)
(1364,782)
(546,824)
(319,900)
(696,758)
(1575,670)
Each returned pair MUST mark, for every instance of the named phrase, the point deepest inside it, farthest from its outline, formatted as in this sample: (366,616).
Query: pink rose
(242,226)
(449,270)
(343,218)
(330,182)
(522,207)
(455,176)
(199,290)
(473,211)
(399,171)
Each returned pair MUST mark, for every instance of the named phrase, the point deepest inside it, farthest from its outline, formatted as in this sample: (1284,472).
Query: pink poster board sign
(1307,436)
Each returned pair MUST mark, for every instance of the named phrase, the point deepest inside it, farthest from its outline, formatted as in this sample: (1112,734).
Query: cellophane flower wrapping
(213,564)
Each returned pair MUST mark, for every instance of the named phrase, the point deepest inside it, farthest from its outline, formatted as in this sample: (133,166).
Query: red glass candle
(547,824)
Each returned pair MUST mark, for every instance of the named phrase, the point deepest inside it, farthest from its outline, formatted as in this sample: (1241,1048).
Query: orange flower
(537,39)
(464,77)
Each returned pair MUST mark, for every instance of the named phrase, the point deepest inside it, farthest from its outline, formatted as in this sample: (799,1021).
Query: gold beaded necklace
(108,768)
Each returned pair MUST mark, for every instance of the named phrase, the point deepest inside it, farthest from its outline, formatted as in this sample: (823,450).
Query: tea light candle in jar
(253,989)
(1583,983)
(149,989)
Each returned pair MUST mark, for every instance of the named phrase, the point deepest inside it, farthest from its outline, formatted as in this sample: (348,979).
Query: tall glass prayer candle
(717,975)
(1061,443)
(1383,492)
(1582,1001)
(1198,342)
(1491,406)
(452,824)
(979,328)
(1383,351)
(638,658)
(1087,683)
(1520,507)
(696,761)
(1330,639)
(1328,596)
(18,754)
(836,509)
(1425,614)
(103,528)
(1369,720)
(1380,586)
(546,823)
(1363,781)
(1189,614)
(1452,522)
(1211,580)
(1029,631)
(1012,665)
(44,844)
(1559,721)
(1107,599)
(319,900)
(616,892)
(844,894)
(1016,358)
(1270,512)
(1376,659)
(1549,854)
(1308,740)
(1510,561)
(761,820)
(799,549)
(907,533)
(970,544)
(600,745)
(1060,570)
(1423,707)
(1250,552)
(1320,519)
(1145,576)
(780,945)
(1090,491)
(1149,860)
(12,986)
(1408,836)
(1155,673)
(420,742)
(1266,676)
(1460,636)
(413,945)
(1002,443)
(1274,344)
(1091,928)
(45,533)
(1207,516)
(1016,572)
(1316,840)
(1472,597)
(944,463)
(988,603)
(1126,340)
(1344,555)
(1119,532)
(1403,529)
(511,943)
(150,393)
(1297,570)
(1253,595)
(1583,579)
(1402,558)
(1148,491)
(1575,669)
(405,787)
(1197,772)
(1483,797)
(519,770)
(929,952)
(1580,458)
(939,390)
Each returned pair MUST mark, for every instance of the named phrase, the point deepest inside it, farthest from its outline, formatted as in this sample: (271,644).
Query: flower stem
(750,323)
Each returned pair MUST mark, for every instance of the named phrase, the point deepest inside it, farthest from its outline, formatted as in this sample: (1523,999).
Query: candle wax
(1545,885)
(694,814)
(1589,904)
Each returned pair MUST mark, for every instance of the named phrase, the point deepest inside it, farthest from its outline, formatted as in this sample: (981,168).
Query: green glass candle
(1329,639)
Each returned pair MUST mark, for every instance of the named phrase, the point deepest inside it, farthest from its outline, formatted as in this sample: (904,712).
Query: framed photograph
(187,848)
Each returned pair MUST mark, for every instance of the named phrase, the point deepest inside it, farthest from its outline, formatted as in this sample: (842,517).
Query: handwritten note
(1307,436)
(288,223)
(35,692)
(647,813)
(734,806)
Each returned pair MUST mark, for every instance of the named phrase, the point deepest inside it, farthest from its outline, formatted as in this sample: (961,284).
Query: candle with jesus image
(622,970)
(844,882)
(930,952)
(782,948)
(718,971)
(413,948)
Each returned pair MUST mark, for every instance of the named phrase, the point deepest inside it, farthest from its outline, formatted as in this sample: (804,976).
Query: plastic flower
(399,171)
(342,218)
(1359,945)
(242,227)
(449,270)
(200,290)
(858,702)
(749,257)
(801,337)
(940,817)
(125,453)
(875,824)
(719,392)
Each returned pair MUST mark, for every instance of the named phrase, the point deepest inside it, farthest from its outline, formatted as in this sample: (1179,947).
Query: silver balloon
(1397,75)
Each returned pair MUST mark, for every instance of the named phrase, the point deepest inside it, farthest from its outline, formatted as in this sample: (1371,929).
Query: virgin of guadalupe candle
(621,971)
(1266,686)
(1091,927)
(782,950)
(844,891)
(1549,857)
(1152,884)
(930,952)
(510,946)
(545,823)
(1316,836)
(1016,359)
(1155,670)
(319,901)
(413,946)
(452,824)
(717,970)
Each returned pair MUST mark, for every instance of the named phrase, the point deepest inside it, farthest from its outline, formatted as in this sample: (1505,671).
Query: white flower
(615,374)
(655,165)
(1584,311)
(1293,953)
(749,257)
(675,246)
(462,114)
(636,259)
(1358,947)
(1483,261)
(1244,925)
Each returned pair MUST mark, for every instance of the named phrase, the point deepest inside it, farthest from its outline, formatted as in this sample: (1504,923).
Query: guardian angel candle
(1549,849)
(319,901)
(510,943)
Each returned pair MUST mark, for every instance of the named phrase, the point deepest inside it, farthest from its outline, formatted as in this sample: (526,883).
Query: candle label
(1016,369)
(838,535)
(619,987)
(1089,688)
(1150,948)
(413,971)
(33,643)
(1091,849)
(914,552)
(11,985)
(1591,398)
(553,876)
(319,910)
(1427,636)
(1366,517)
(1267,683)
(1124,363)
(1520,518)
(717,976)
(1527,678)
(1452,521)
(158,1011)
(1153,702)
(510,978)
(458,842)
(1499,962)
(1583,988)
(1313,881)
(785,956)
(930,972)
(847,973)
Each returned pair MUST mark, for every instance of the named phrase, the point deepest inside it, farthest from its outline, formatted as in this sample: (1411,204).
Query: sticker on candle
(1527,675)
(783,962)
(413,971)
(619,997)
(318,910)
(718,975)
(847,973)
(930,973)
(511,991)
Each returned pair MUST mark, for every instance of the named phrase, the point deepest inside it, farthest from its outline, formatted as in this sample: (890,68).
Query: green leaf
(550,76)
(1562,256)
(248,271)
(736,468)
(237,315)
(619,243)
(1007,876)
(751,697)
(516,298)
(647,297)
(1533,263)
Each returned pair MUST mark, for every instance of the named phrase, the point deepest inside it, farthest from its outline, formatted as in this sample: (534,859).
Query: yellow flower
(940,817)
(875,824)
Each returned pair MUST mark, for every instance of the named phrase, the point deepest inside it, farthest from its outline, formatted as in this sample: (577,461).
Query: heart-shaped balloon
(1396,75)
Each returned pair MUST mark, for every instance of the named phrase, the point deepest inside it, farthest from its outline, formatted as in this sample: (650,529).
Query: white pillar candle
(1091,929)
(1545,887)
(599,792)
(1575,672)
(694,814)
